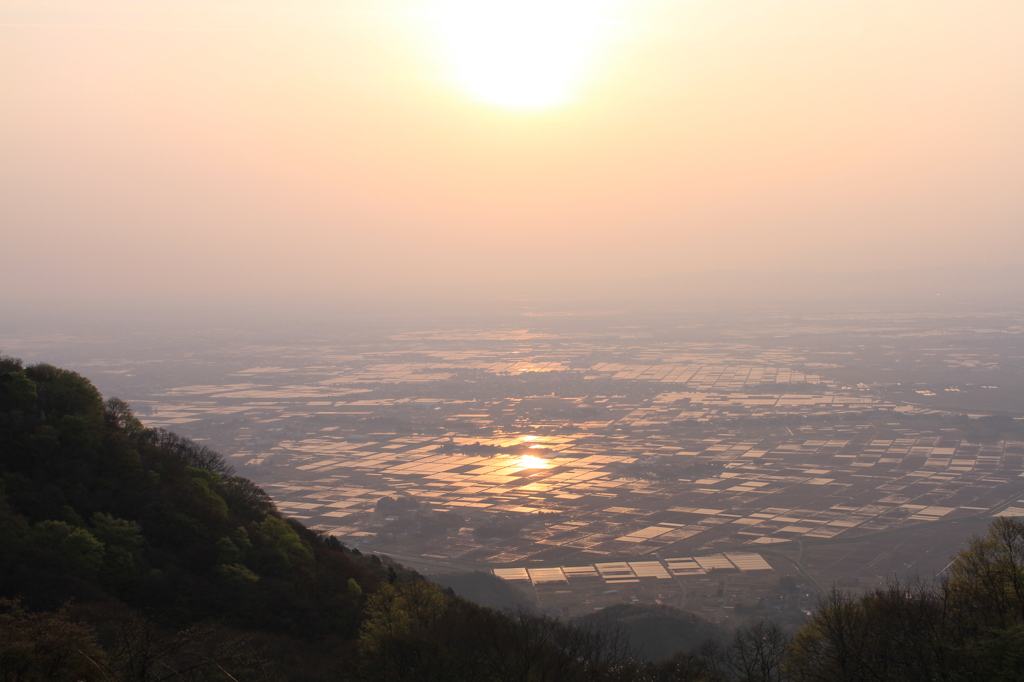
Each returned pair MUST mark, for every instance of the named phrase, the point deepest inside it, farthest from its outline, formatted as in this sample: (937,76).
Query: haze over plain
(341,149)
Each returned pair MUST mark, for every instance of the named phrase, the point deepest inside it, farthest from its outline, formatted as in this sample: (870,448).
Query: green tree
(988,576)
(17,392)
(63,392)
(124,547)
(278,548)
(201,498)
(76,546)
(119,415)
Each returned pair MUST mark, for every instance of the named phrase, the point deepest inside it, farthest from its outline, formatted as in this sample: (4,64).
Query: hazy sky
(178,148)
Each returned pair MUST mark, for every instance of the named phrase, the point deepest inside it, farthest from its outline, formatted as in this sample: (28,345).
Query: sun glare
(521,54)
(531,462)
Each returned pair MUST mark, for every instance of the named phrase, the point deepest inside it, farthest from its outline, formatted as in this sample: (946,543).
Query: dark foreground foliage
(132,554)
(173,564)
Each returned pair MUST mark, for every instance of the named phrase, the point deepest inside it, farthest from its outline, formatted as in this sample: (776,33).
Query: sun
(520,54)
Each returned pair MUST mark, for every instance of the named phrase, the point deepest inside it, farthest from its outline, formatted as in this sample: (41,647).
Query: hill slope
(656,632)
(97,510)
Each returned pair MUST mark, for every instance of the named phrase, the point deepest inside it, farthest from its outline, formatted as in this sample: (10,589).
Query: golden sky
(323,148)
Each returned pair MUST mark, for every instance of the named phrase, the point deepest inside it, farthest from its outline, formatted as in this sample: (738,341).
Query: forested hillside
(129,553)
(139,528)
